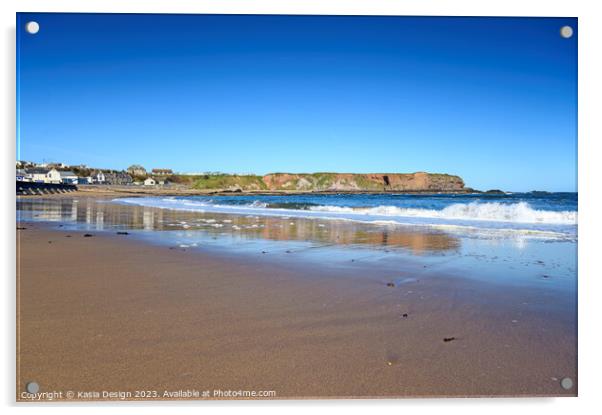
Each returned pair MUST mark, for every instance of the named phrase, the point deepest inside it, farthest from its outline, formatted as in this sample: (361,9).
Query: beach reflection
(99,214)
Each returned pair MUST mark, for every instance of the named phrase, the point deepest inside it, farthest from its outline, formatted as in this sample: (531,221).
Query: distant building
(44,175)
(85,180)
(57,165)
(162,172)
(119,178)
(68,177)
(150,181)
(22,175)
(136,170)
(98,177)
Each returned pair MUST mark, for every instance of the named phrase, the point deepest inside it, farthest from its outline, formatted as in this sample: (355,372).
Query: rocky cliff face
(332,182)
(363,182)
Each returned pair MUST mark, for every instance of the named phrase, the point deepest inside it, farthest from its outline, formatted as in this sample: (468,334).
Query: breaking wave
(488,217)
(520,212)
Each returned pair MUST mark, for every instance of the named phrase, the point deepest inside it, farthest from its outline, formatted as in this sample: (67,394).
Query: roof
(38,170)
(67,174)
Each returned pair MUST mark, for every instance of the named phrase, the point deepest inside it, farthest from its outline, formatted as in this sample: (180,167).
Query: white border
(590,135)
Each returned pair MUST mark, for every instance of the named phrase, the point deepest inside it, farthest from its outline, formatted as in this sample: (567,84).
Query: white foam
(495,212)
(493,217)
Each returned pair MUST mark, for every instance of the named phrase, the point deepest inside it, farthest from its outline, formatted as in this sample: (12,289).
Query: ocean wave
(483,218)
(520,212)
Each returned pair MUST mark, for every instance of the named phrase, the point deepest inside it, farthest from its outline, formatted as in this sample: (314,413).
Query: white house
(68,177)
(43,175)
(23,176)
(150,181)
(99,178)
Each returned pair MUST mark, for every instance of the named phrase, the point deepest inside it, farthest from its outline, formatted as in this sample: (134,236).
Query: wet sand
(112,313)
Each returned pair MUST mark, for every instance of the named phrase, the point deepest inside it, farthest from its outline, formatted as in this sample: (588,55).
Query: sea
(536,214)
(510,239)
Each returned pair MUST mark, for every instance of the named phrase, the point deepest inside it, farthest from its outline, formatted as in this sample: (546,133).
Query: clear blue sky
(493,100)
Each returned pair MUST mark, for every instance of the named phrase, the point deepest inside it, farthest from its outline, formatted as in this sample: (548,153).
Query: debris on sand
(88,235)
(123,233)
(391,284)
(448,339)
(392,360)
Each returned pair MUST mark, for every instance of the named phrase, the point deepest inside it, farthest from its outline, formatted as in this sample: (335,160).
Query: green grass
(366,184)
(226,181)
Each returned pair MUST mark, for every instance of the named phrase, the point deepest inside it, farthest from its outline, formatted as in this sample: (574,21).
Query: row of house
(45,175)
(52,175)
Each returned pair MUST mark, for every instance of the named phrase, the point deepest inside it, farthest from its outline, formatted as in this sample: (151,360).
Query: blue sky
(493,100)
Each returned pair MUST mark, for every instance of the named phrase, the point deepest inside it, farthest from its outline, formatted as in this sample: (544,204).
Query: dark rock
(391,284)
(21,228)
(448,339)
(122,233)
(88,235)
(405,315)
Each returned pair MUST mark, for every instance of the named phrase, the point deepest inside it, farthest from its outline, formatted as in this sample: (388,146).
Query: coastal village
(60,173)
(61,177)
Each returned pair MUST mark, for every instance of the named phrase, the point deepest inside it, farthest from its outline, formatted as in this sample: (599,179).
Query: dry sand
(111,313)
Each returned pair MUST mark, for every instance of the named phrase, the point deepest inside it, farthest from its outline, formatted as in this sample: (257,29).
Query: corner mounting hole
(566,32)
(32,27)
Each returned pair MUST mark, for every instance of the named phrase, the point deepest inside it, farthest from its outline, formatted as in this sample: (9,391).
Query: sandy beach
(111,312)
